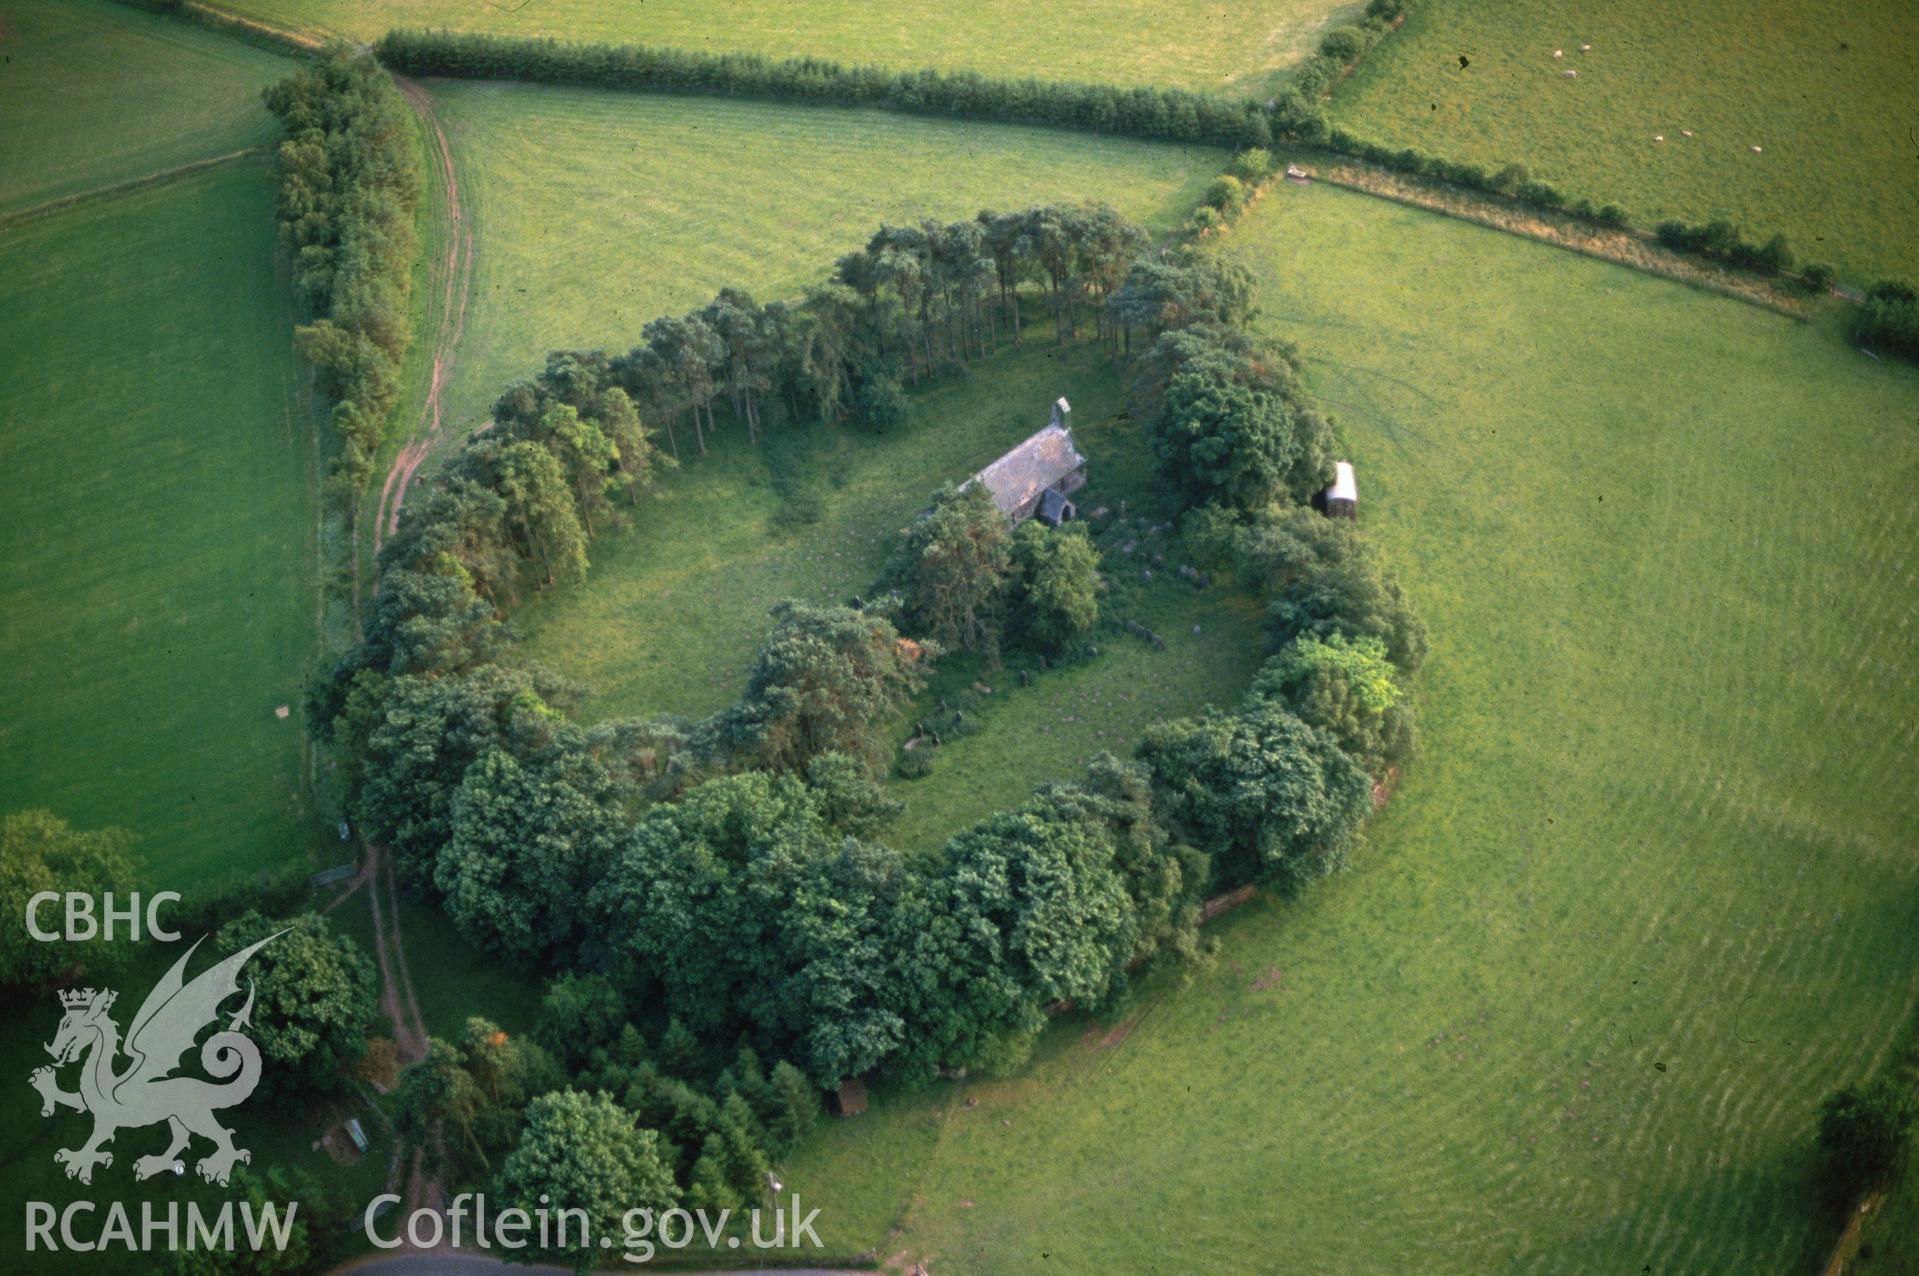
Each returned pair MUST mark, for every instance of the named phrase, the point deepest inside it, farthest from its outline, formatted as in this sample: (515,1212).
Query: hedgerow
(1178,115)
(350,183)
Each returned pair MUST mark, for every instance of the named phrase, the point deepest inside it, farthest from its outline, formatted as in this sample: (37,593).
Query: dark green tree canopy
(1227,420)
(1348,687)
(1350,597)
(1056,585)
(826,679)
(1270,798)
(527,843)
(583,1152)
(316,996)
(38,852)
(1865,1138)
(951,569)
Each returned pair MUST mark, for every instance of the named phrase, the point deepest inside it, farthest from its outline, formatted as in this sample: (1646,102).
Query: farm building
(1035,478)
(1342,498)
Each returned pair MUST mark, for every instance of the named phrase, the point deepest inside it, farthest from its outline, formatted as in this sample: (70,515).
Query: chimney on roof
(1061,410)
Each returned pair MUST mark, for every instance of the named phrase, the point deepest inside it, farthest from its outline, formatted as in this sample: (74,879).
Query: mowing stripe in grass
(1150,42)
(1647,893)
(1824,88)
(155,549)
(93,94)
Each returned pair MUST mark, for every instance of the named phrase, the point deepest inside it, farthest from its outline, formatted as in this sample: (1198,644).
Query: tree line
(569,452)
(590,1111)
(350,184)
(1175,115)
(726,882)
(496,803)
(1295,114)
(1889,319)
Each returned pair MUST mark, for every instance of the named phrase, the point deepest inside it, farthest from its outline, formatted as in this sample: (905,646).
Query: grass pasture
(1825,87)
(94,93)
(1889,1239)
(1647,895)
(1183,43)
(673,610)
(156,538)
(652,204)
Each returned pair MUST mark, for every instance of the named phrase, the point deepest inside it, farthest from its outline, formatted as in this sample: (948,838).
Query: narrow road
(453,276)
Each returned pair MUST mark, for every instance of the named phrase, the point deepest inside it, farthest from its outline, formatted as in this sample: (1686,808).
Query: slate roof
(1029,469)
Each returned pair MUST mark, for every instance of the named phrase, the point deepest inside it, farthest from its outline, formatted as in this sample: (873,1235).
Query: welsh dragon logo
(145,1092)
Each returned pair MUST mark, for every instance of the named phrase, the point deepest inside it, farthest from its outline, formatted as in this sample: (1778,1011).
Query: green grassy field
(1890,1238)
(673,610)
(653,204)
(1648,893)
(156,527)
(655,222)
(1181,42)
(1825,87)
(93,93)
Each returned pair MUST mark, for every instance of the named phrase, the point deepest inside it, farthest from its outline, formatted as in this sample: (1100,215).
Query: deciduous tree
(39,853)
(582,1152)
(315,999)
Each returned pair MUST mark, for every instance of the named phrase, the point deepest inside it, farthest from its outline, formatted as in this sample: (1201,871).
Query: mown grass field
(651,204)
(655,221)
(94,93)
(1825,87)
(674,609)
(156,527)
(1647,895)
(1186,43)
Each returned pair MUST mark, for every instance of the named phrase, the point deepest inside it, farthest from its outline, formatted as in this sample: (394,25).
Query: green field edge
(160,177)
(417,367)
(306,41)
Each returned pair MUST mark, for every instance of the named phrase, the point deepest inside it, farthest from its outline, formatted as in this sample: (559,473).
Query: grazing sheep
(1757,149)
(1658,137)
(1585,48)
(1569,74)
(1685,132)
(1559,53)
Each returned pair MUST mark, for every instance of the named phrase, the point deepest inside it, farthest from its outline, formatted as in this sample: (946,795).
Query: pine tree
(795,1106)
(745,1162)
(680,1052)
(707,1189)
